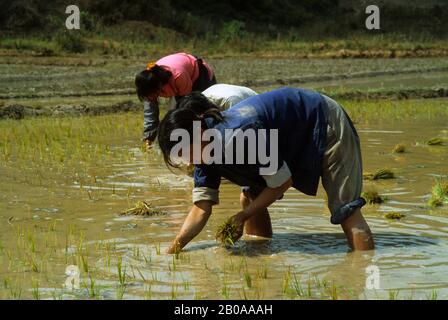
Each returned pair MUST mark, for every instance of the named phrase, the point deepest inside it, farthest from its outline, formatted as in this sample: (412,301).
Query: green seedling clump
(399,148)
(227,233)
(371,196)
(142,208)
(439,194)
(394,215)
(434,142)
(380,174)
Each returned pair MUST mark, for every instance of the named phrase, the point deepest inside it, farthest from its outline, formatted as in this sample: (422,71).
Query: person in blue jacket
(315,139)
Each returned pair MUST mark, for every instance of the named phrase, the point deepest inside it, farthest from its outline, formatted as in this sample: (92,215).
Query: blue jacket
(299,116)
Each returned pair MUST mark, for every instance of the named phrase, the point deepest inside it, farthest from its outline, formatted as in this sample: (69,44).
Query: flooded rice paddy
(64,182)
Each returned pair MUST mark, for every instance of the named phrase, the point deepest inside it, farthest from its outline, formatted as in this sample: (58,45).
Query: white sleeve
(205,194)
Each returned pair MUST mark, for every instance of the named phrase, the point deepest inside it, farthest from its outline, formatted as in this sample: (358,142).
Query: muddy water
(411,254)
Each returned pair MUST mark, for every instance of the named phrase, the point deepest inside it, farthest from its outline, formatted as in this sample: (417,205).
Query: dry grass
(380,174)
(394,215)
(142,208)
(372,197)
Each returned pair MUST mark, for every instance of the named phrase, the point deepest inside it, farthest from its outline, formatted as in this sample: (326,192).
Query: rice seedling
(83,261)
(399,148)
(243,296)
(91,287)
(435,142)
(439,194)
(132,271)
(35,289)
(372,196)
(142,208)
(33,264)
(308,287)
(298,289)
(432,296)
(228,233)
(380,174)
(119,292)
(248,279)
(173,265)
(186,284)
(242,265)
(394,215)
(15,293)
(136,252)
(393,294)
(333,291)
(121,272)
(173,291)
(262,272)
(154,276)
(286,281)
(140,273)
(148,259)
(225,291)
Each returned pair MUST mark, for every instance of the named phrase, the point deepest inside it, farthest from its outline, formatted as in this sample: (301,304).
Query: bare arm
(264,200)
(193,224)
(358,233)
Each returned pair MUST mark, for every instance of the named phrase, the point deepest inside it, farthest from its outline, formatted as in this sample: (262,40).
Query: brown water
(411,254)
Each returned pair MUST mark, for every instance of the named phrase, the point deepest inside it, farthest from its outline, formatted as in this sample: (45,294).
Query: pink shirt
(185,71)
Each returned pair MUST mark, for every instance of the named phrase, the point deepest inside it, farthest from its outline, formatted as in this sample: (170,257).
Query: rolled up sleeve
(150,120)
(206,184)
(205,194)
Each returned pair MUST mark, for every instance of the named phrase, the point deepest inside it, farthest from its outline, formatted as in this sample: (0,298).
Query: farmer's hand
(174,248)
(238,221)
(193,224)
(148,144)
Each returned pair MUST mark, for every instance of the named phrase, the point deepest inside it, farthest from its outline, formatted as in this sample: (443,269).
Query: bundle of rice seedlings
(371,196)
(227,233)
(399,148)
(380,174)
(434,142)
(142,208)
(439,194)
(394,215)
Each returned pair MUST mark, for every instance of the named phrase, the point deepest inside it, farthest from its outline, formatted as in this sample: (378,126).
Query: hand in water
(148,144)
(238,222)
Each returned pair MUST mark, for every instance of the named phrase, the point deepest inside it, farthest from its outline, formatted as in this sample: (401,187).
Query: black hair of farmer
(192,107)
(149,82)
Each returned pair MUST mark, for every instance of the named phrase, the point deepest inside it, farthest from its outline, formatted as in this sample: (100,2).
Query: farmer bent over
(316,140)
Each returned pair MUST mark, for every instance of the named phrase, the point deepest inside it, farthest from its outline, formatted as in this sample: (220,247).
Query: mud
(21,111)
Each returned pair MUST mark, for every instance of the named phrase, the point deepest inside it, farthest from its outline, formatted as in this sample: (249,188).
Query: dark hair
(192,107)
(148,82)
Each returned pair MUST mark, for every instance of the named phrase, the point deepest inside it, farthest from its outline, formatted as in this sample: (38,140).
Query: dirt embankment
(393,94)
(17,111)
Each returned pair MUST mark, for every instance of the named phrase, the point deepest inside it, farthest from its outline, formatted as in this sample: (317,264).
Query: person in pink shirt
(173,76)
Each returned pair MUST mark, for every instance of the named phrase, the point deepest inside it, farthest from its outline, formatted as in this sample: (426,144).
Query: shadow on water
(323,243)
